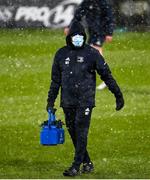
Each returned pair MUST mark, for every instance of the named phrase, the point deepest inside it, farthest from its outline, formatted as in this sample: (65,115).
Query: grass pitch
(119,142)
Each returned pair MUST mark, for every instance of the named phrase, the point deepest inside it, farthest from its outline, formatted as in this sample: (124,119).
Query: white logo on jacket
(80,59)
(67,61)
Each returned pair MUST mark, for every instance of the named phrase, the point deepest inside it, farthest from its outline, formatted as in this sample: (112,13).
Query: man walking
(74,71)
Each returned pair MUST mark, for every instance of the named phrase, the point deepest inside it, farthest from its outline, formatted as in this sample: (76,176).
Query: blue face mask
(77,40)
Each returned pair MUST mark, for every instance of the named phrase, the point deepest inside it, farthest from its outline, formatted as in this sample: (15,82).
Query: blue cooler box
(51,133)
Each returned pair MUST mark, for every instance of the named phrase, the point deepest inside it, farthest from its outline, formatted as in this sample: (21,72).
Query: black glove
(49,107)
(119,102)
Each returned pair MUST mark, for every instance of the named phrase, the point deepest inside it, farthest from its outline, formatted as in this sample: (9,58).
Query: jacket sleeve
(105,74)
(107,14)
(55,82)
(81,10)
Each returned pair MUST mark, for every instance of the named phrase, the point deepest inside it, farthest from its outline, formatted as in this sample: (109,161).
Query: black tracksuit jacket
(74,71)
(98,15)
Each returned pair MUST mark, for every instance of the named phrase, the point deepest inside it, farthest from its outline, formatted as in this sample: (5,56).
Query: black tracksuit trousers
(78,122)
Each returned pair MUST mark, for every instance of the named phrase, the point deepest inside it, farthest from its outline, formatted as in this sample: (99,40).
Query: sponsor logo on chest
(67,61)
(80,59)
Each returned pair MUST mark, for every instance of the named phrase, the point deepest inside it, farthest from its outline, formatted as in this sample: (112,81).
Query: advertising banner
(58,13)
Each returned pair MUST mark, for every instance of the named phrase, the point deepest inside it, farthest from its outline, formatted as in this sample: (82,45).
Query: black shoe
(87,167)
(72,171)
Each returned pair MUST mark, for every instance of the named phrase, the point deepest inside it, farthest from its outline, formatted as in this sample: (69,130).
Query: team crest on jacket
(80,59)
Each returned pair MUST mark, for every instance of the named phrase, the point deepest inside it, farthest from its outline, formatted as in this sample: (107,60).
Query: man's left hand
(119,103)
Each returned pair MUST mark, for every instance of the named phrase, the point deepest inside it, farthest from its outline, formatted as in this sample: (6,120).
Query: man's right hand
(52,109)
